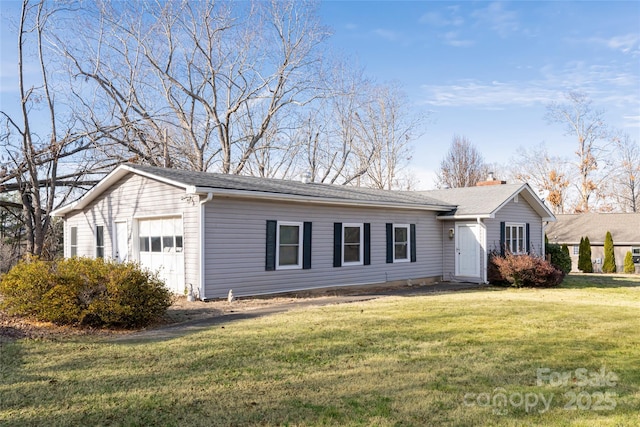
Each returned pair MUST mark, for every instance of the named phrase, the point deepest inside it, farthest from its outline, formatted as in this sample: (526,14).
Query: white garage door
(161,249)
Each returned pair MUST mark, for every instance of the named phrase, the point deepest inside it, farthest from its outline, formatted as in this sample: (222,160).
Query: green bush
(609,264)
(559,257)
(629,266)
(84,291)
(528,271)
(584,258)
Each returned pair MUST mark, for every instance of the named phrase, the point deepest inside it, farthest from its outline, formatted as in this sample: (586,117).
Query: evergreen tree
(629,266)
(588,264)
(609,264)
(565,249)
(581,255)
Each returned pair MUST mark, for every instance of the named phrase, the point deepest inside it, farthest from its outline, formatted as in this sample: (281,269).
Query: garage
(161,249)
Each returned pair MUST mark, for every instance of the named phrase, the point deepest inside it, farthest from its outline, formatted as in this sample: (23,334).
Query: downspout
(201,293)
(543,249)
(483,258)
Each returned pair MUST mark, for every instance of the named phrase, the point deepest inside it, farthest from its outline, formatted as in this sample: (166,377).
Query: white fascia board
(106,182)
(464,217)
(282,197)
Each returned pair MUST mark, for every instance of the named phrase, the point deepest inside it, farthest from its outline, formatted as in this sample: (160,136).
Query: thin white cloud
(496,17)
(452,38)
(387,34)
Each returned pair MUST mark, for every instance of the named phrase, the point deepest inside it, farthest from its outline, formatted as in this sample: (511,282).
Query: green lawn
(432,360)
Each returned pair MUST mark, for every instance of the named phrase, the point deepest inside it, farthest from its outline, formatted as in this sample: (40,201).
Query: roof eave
(247,194)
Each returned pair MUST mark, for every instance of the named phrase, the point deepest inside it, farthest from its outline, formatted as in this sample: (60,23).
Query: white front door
(467,250)
(122,243)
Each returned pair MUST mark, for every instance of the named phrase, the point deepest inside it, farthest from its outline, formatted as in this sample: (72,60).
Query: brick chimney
(491,180)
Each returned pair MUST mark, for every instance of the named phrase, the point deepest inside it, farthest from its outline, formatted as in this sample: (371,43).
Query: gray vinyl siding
(133,198)
(236,241)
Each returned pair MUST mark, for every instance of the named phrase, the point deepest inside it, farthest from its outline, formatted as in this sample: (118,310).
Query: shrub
(493,273)
(559,258)
(584,258)
(528,271)
(629,266)
(84,291)
(609,264)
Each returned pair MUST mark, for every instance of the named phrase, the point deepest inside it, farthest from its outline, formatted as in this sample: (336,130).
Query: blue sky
(484,70)
(487,70)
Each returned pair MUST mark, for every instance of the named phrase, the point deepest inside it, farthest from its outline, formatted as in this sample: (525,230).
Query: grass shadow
(597,280)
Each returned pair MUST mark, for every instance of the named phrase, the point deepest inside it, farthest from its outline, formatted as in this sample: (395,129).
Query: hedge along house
(624,228)
(212,232)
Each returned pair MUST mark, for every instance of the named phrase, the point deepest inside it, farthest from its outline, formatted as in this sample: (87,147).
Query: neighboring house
(214,232)
(624,228)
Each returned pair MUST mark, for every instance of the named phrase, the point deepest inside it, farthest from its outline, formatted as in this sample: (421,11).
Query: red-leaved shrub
(527,271)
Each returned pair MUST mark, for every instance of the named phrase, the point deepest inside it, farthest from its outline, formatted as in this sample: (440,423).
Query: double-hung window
(401,247)
(352,244)
(515,238)
(99,241)
(289,244)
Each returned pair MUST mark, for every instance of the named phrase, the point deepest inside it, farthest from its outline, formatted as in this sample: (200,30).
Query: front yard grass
(430,360)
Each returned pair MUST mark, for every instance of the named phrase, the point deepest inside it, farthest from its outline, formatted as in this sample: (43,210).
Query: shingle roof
(624,228)
(207,180)
(478,201)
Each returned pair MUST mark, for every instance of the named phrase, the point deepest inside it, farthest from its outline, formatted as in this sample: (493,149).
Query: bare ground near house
(184,316)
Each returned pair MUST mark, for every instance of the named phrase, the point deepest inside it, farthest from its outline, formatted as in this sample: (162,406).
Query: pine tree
(565,249)
(629,266)
(588,264)
(609,264)
(581,255)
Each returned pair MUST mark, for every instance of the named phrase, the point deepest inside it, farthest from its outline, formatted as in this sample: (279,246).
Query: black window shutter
(270,258)
(389,243)
(306,246)
(412,232)
(367,243)
(502,237)
(337,244)
(528,239)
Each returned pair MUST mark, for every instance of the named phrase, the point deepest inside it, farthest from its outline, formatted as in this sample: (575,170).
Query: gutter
(201,215)
(220,192)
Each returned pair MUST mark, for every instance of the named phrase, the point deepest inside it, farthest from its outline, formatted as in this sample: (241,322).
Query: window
(352,244)
(400,243)
(99,241)
(161,235)
(514,238)
(635,251)
(289,244)
(73,245)
(576,249)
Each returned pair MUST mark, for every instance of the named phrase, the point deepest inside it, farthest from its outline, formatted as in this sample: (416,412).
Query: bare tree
(463,165)
(35,141)
(626,173)
(200,83)
(547,174)
(588,126)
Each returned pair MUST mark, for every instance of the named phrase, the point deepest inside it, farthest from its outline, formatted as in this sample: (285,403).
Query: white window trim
(408,228)
(516,226)
(361,251)
(300,226)
(576,249)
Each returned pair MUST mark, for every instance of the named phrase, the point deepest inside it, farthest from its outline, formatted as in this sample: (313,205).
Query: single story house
(624,229)
(212,232)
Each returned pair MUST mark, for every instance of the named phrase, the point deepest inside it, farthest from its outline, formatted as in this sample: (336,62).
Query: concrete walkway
(185,328)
